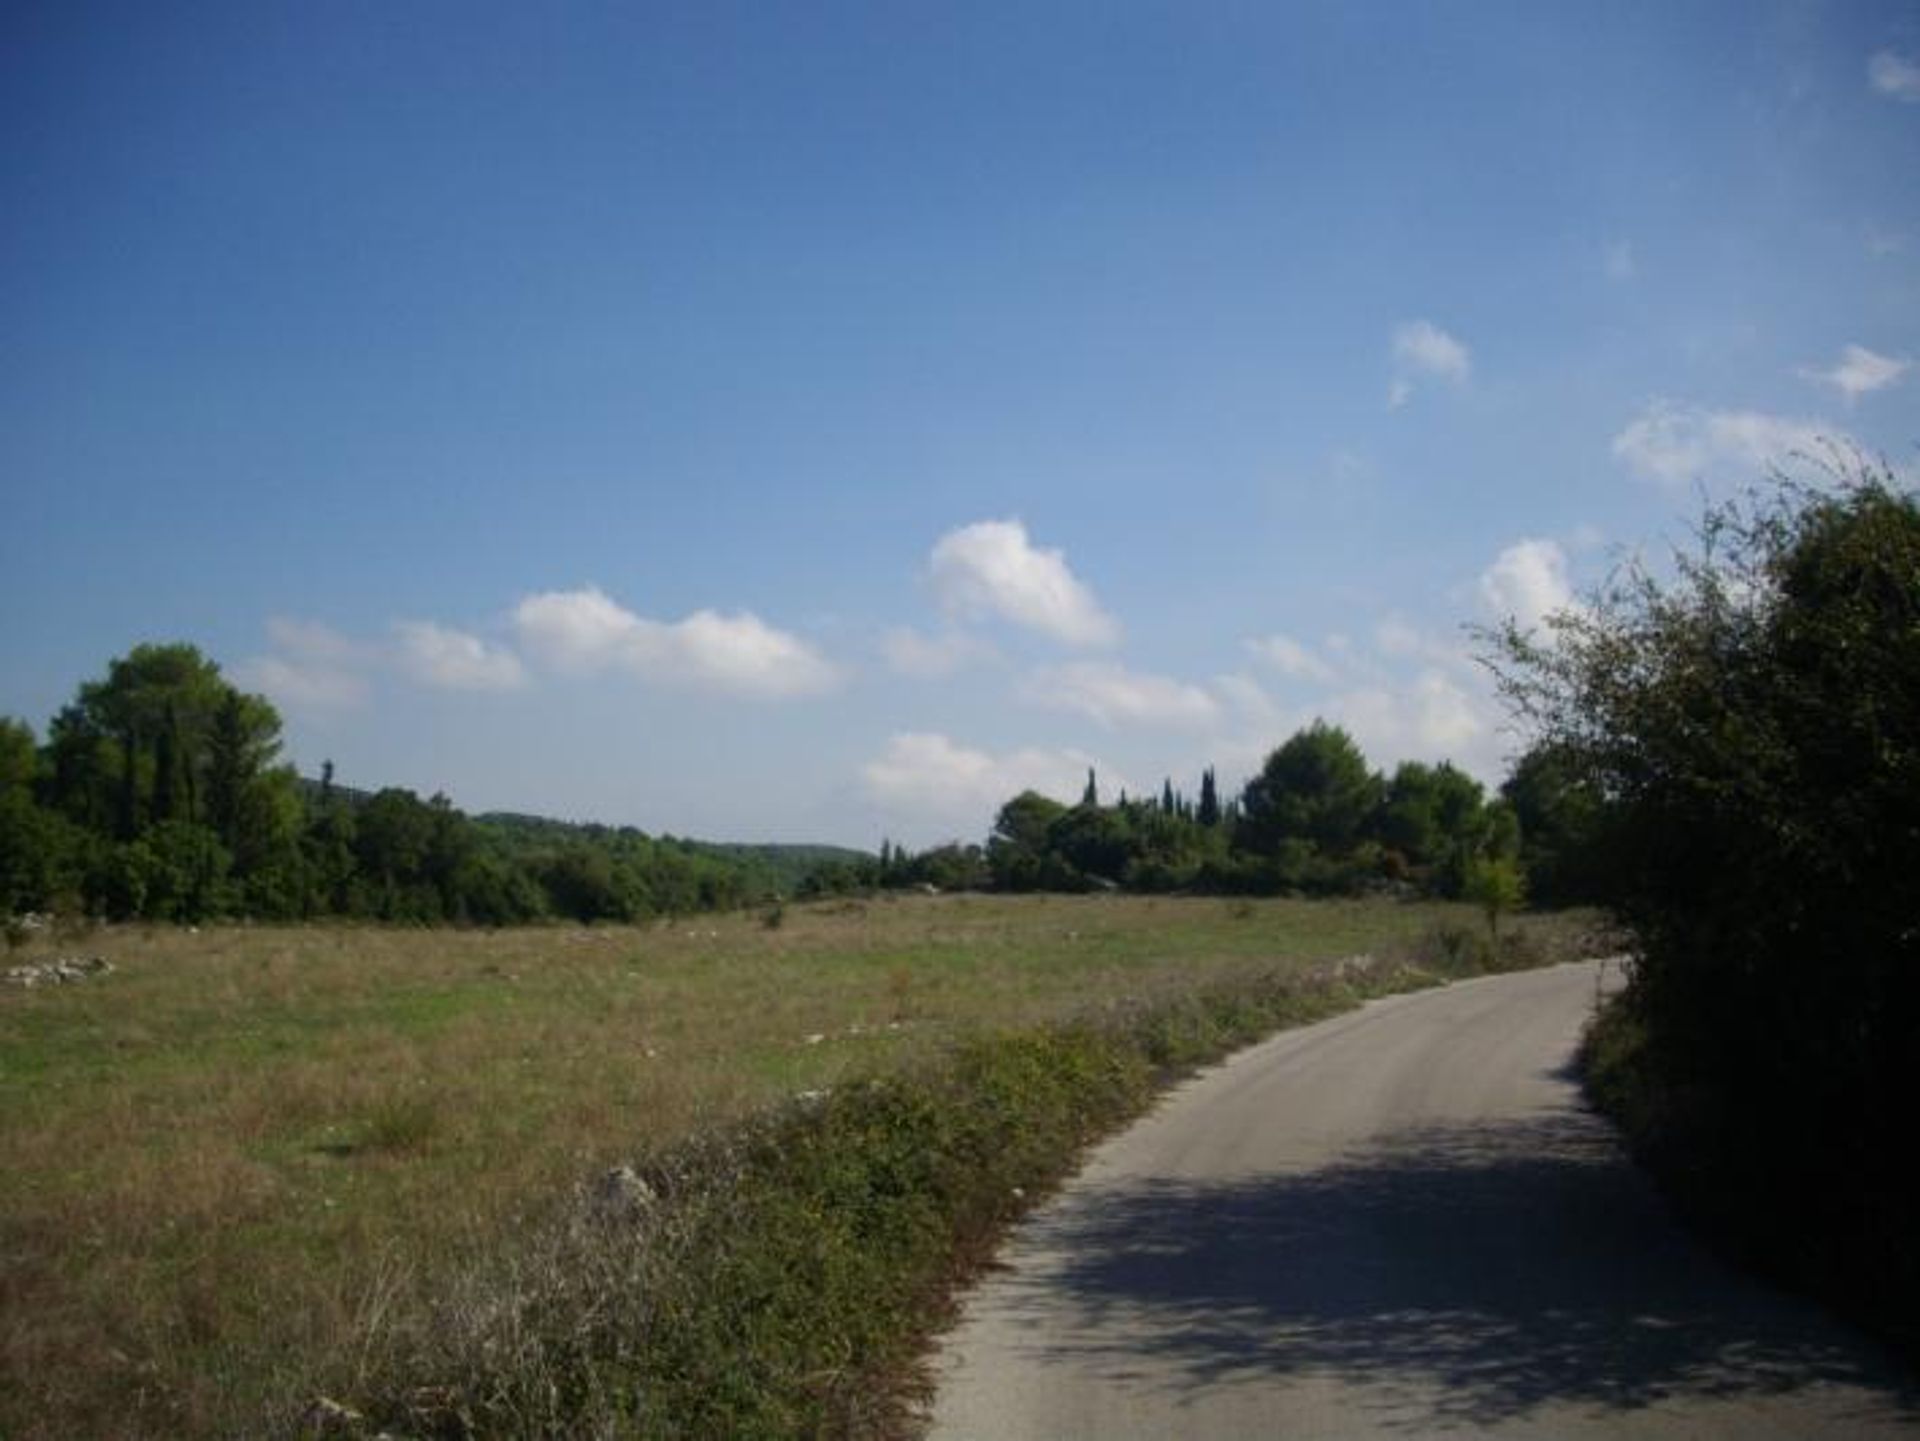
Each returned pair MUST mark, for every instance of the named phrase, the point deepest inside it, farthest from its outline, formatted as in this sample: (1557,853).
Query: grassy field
(234,1161)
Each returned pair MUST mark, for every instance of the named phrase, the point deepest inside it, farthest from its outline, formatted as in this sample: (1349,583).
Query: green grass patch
(783,1277)
(250,1163)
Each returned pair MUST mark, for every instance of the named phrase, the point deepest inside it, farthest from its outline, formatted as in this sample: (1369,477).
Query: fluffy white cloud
(992,568)
(931,656)
(1860,371)
(1421,348)
(928,776)
(1681,443)
(585,631)
(312,667)
(1249,700)
(1527,581)
(297,685)
(1398,639)
(453,659)
(1894,75)
(1394,636)
(1433,718)
(575,630)
(1290,658)
(1115,696)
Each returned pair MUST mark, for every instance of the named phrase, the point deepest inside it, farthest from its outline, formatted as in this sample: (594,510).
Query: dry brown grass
(233,1160)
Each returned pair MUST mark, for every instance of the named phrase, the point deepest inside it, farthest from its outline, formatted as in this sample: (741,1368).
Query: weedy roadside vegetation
(259,1166)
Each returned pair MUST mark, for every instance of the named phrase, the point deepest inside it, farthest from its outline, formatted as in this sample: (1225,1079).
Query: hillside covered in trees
(160,794)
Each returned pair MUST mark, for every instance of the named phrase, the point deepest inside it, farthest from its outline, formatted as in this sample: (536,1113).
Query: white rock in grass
(622,1193)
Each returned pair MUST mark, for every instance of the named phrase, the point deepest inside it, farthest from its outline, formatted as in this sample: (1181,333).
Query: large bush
(1752,725)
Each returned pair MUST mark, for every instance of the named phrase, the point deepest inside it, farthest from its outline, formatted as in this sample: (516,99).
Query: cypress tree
(1091,796)
(1209,799)
(166,768)
(129,784)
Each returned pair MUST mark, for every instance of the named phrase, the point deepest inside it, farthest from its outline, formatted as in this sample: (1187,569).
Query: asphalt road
(1398,1223)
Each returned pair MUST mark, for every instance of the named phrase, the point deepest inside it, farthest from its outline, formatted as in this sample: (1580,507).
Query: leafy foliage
(1316,789)
(160,795)
(1316,820)
(1753,728)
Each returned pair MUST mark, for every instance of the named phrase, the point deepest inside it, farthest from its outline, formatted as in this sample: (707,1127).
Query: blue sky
(772,422)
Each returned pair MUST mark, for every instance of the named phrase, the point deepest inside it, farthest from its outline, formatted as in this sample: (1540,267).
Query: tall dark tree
(155,697)
(1562,818)
(1209,813)
(243,743)
(1316,789)
(1091,795)
(1017,849)
(81,766)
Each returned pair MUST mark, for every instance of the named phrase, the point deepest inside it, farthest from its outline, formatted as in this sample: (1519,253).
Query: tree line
(1317,820)
(159,794)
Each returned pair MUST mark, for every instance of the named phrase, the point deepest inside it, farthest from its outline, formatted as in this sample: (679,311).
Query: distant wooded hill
(159,794)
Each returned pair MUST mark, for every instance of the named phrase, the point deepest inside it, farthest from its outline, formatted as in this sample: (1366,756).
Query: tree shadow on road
(1486,1270)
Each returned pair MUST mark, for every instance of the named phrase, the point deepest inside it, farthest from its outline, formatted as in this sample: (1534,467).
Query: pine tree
(1091,796)
(1209,799)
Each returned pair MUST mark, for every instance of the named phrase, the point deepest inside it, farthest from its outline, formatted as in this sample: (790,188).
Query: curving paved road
(1398,1223)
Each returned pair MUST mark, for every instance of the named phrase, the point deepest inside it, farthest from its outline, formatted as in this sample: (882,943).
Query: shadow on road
(1488,1270)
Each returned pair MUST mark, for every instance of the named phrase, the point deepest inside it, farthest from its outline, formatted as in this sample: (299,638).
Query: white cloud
(1290,658)
(453,659)
(1681,443)
(929,657)
(1398,639)
(929,776)
(991,568)
(1394,636)
(575,630)
(309,640)
(1115,696)
(1528,582)
(301,685)
(1860,371)
(1894,75)
(312,668)
(1619,261)
(586,631)
(1433,719)
(1249,699)
(1421,348)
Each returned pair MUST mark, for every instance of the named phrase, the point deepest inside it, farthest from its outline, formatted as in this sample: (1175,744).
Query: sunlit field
(232,1157)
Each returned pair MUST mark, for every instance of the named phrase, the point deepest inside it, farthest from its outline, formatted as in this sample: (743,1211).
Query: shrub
(1754,726)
